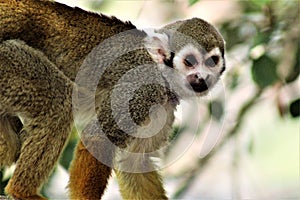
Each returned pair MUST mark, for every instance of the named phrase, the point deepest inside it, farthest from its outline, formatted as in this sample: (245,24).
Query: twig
(192,174)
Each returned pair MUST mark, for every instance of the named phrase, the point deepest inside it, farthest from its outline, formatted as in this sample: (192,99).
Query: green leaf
(3,182)
(68,152)
(295,108)
(251,145)
(264,71)
(261,3)
(295,71)
(192,2)
(176,132)
(230,32)
(261,38)
(216,109)
(234,80)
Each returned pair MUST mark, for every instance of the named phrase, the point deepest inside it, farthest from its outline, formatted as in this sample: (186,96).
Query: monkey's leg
(88,176)
(141,185)
(32,87)
(10,142)
(133,182)
(39,154)
(135,170)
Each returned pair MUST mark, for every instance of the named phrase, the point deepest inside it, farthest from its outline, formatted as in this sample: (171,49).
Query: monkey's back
(64,34)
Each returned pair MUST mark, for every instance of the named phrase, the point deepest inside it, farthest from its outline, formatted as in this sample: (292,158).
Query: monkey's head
(194,49)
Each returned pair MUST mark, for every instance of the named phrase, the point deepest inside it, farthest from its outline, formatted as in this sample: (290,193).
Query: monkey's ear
(157,45)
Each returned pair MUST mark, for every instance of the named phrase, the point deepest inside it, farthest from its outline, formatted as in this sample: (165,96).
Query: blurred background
(245,140)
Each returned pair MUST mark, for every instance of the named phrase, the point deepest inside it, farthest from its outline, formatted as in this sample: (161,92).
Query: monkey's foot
(15,195)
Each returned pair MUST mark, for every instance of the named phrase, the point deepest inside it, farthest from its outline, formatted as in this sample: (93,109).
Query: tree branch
(192,173)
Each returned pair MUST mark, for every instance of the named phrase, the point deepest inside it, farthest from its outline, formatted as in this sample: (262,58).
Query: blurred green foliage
(67,154)
(262,44)
(192,2)
(264,71)
(269,30)
(216,109)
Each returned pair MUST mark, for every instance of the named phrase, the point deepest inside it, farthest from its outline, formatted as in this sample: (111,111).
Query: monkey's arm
(93,161)
(34,89)
(88,175)
(136,172)
(91,166)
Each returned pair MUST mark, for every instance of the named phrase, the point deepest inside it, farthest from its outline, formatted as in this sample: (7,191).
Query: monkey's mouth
(200,85)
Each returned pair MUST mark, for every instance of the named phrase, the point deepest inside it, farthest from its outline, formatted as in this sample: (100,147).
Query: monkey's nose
(194,78)
(197,82)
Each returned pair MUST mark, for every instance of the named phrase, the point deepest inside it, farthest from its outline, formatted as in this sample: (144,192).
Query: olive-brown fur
(43,44)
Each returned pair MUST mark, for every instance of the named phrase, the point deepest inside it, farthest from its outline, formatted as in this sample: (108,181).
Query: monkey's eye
(212,61)
(190,60)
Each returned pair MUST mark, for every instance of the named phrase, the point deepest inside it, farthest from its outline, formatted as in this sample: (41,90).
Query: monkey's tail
(10,142)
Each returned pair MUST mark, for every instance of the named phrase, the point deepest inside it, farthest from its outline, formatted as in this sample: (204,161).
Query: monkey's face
(194,51)
(199,70)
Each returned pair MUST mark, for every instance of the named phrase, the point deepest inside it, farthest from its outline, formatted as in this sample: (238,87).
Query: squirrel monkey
(43,45)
